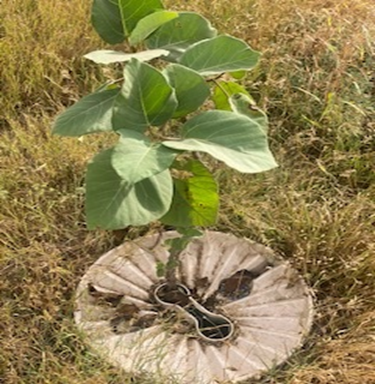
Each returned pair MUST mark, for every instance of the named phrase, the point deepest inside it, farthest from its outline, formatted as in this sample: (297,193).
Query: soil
(238,285)
(102,298)
(174,295)
(127,311)
(235,287)
(124,324)
(211,329)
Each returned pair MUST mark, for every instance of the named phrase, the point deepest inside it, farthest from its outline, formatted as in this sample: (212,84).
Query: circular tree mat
(266,302)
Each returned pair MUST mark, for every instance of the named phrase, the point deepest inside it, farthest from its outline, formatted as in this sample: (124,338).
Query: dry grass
(317,209)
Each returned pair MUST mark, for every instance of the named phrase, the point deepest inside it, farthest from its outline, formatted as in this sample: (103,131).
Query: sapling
(179,97)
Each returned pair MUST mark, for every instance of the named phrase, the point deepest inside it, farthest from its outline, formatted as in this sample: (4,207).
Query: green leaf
(238,75)
(114,20)
(111,203)
(195,200)
(132,11)
(150,24)
(93,113)
(106,20)
(220,54)
(223,91)
(136,158)
(160,269)
(245,104)
(235,139)
(146,98)
(106,56)
(189,232)
(175,245)
(178,244)
(190,87)
(179,34)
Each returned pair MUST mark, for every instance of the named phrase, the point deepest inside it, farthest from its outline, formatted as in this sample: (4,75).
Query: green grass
(317,209)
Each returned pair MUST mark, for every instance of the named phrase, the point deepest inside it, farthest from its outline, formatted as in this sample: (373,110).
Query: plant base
(237,311)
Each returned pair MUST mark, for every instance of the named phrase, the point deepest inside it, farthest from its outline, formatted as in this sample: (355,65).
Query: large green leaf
(245,104)
(195,200)
(146,98)
(190,87)
(114,20)
(220,54)
(106,56)
(112,203)
(179,34)
(106,19)
(150,24)
(233,138)
(136,158)
(223,91)
(132,11)
(93,113)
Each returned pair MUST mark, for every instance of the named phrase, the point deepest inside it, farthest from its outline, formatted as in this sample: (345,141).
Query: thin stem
(172,264)
(216,77)
(222,88)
